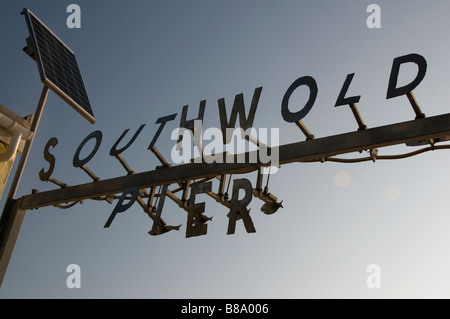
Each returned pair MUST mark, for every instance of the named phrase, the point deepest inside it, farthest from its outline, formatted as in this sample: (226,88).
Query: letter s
(44,176)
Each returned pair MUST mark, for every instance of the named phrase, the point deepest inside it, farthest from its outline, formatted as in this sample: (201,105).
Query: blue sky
(142,60)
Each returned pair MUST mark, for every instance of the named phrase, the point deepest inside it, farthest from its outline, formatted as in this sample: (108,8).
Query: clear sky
(142,60)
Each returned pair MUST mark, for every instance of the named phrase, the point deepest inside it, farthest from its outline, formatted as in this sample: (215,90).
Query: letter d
(393,90)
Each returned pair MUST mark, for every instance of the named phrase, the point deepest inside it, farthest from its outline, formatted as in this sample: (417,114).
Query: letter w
(238,107)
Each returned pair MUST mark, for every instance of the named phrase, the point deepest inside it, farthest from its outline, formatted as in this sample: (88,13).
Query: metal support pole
(357,116)
(305,130)
(27,147)
(12,216)
(415,105)
(9,235)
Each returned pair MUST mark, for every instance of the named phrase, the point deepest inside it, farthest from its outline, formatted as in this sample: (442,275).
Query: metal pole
(11,219)
(9,233)
(27,147)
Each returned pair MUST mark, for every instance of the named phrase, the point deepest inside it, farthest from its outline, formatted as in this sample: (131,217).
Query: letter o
(290,117)
(98,140)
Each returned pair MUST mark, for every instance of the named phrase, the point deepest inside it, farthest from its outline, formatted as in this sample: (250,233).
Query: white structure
(14,131)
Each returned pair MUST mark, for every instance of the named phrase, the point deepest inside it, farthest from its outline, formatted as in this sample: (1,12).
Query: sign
(195,175)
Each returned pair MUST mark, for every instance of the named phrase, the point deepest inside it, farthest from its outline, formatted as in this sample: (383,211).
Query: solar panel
(58,66)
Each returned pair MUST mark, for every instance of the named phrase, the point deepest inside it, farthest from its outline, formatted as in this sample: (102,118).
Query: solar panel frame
(58,66)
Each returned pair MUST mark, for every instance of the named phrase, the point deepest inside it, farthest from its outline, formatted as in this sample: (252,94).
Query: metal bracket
(415,105)
(358,118)
(305,130)
(90,173)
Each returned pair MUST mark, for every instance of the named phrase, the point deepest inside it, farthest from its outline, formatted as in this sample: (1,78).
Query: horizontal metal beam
(309,150)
